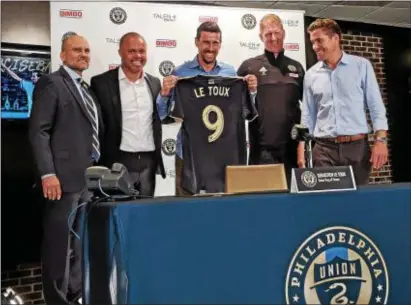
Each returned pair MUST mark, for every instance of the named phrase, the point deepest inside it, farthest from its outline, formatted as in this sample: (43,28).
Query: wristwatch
(383,140)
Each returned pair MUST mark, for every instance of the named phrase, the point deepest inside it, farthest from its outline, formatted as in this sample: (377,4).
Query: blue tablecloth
(257,249)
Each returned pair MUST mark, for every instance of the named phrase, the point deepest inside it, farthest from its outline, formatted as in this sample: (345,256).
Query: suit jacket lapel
(115,96)
(150,86)
(73,89)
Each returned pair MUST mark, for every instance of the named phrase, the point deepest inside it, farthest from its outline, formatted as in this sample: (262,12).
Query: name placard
(322,179)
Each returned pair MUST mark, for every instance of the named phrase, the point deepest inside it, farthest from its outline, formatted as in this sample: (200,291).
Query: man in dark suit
(63,129)
(127,98)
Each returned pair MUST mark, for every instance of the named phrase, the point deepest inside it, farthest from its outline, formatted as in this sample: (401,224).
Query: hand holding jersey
(169,82)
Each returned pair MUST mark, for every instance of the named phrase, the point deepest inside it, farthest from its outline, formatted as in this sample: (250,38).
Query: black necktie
(92,112)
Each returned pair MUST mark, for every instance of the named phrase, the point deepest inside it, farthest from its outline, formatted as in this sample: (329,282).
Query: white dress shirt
(137,114)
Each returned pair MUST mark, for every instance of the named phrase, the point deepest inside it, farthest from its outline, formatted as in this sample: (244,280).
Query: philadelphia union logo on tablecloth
(337,265)
(166,67)
(248,21)
(169,147)
(118,15)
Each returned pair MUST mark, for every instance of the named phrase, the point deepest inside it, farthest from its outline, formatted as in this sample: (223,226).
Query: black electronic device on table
(301,133)
(114,183)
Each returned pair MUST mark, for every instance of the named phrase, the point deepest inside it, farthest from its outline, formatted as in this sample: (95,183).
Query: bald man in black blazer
(64,127)
(133,132)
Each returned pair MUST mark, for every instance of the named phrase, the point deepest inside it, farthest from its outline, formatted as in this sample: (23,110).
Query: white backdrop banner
(169,30)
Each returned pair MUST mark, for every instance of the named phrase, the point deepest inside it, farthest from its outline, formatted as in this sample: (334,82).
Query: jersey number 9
(217,126)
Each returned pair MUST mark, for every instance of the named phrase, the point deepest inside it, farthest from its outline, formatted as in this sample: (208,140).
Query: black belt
(137,154)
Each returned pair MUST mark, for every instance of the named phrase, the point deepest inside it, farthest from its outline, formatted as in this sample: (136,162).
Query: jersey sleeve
(176,111)
(249,109)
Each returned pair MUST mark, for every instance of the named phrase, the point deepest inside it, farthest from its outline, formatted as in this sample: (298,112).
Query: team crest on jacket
(337,265)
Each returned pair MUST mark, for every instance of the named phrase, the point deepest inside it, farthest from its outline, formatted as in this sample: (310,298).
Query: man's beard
(208,61)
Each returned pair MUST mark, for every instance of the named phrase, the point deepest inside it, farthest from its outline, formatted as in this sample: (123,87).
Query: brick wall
(25,281)
(371,47)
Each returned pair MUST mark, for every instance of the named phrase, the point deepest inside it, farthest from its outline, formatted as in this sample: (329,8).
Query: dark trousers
(180,191)
(273,156)
(356,153)
(61,250)
(142,168)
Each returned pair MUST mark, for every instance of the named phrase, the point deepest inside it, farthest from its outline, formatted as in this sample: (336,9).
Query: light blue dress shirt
(335,101)
(190,69)
(75,78)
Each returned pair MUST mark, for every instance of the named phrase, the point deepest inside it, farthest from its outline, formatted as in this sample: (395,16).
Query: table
(347,247)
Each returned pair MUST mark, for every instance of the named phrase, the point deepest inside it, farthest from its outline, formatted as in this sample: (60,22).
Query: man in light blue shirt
(337,92)
(208,43)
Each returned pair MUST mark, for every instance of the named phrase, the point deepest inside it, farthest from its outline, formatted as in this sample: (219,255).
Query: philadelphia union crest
(169,147)
(118,15)
(337,265)
(166,67)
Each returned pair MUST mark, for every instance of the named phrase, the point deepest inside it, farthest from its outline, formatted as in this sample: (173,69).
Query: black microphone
(300,133)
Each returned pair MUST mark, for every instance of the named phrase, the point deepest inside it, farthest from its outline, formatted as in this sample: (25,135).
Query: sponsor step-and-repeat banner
(169,30)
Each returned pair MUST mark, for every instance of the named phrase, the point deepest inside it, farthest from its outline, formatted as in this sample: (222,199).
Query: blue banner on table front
(344,248)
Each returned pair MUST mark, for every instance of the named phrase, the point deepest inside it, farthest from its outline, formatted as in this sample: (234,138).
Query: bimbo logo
(203,19)
(166,43)
(291,47)
(71,13)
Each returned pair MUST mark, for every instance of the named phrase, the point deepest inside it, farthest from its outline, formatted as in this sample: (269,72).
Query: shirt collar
(122,75)
(344,60)
(195,64)
(73,74)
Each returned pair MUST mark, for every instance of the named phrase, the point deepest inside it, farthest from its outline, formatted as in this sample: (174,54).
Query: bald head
(130,35)
(75,53)
(133,53)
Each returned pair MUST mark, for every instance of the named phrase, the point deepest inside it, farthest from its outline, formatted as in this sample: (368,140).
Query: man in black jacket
(127,96)
(280,83)
(64,128)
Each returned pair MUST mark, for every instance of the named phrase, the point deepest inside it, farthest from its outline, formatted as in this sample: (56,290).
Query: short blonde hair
(272,19)
(329,25)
